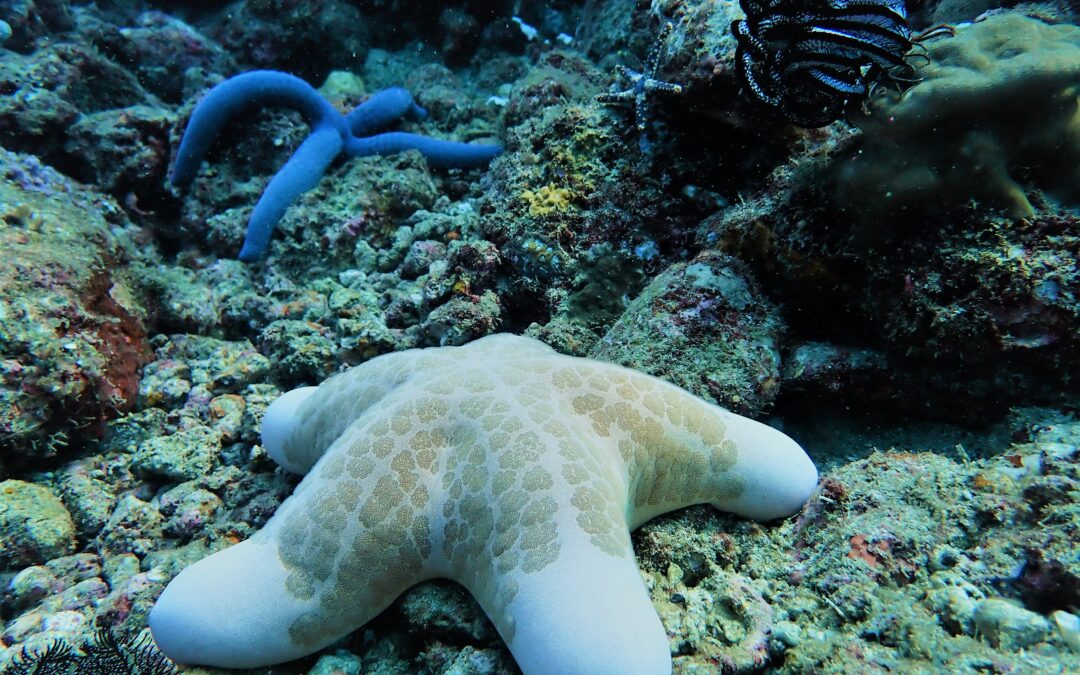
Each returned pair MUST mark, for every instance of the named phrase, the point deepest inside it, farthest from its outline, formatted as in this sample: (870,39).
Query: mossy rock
(34,525)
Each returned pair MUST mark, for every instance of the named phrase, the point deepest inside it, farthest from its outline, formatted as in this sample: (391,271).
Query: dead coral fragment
(997,108)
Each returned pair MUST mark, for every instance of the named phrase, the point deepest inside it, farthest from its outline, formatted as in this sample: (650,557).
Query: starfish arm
(680,450)
(663,87)
(439,153)
(355,534)
(382,110)
(641,108)
(588,612)
(301,425)
(618,97)
(230,610)
(301,173)
(234,96)
(652,61)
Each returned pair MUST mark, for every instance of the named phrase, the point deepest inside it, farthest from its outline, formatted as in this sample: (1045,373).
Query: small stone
(188,510)
(34,525)
(23,626)
(82,595)
(89,500)
(1068,628)
(134,527)
(75,568)
(69,623)
(120,568)
(31,585)
(340,663)
(787,633)
(165,382)
(185,455)
(1009,626)
(300,351)
(420,257)
(227,416)
(445,611)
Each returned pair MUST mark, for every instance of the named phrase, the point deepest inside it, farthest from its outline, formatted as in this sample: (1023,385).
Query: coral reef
(866,285)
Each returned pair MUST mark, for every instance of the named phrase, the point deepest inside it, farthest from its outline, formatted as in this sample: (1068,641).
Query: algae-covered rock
(995,112)
(29,20)
(48,89)
(185,455)
(135,527)
(122,150)
(706,326)
(73,340)
(34,525)
(1008,625)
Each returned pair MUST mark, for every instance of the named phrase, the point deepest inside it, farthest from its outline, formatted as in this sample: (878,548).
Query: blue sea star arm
(301,173)
(390,105)
(382,110)
(237,94)
(331,132)
(439,154)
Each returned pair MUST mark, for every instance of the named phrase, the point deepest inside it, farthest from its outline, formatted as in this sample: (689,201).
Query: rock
(188,510)
(29,586)
(705,326)
(463,319)
(445,611)
(34,525)
(73,340)
(1009,626)
(122,150)
(184,455)
(301,352)
(339,663)
(134,527)
(1068,628)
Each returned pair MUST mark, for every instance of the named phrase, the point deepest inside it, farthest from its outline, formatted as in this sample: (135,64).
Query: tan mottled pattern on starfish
(506,467)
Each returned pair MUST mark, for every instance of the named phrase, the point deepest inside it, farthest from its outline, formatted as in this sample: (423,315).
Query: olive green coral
(996,110)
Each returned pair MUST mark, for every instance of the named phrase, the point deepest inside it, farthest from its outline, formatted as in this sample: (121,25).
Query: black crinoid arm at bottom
(810,59)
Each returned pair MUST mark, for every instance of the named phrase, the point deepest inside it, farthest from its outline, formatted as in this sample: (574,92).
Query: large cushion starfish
(502,465)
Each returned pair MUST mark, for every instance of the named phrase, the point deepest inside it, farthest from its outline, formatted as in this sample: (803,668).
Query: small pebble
(1009,626)
(1068,628)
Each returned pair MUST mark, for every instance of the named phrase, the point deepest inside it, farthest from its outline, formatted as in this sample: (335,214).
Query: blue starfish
(331,134)
(641,85)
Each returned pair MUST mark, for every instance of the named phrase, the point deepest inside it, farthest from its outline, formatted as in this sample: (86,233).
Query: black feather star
(809,59)
(104,654)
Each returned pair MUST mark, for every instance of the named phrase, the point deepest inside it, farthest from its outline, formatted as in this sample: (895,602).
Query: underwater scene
(598,337)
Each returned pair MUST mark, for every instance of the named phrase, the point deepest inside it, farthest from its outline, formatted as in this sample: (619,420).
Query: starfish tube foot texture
(332,134)
(501,465)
